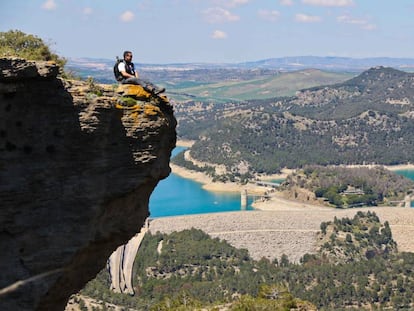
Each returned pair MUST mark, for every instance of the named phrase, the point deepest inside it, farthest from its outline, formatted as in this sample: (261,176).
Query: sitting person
(129,75)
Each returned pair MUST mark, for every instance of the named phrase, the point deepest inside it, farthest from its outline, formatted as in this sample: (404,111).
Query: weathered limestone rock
(76,173)
(15,69)
(133,90)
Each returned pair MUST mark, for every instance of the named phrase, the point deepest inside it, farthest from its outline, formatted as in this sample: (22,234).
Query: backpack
(117,74)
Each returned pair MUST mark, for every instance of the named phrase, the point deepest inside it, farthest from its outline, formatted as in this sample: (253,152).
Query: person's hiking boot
(154,90)
(158,91)
(149,88)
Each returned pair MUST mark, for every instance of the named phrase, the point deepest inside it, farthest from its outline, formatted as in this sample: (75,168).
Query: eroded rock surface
(76,174)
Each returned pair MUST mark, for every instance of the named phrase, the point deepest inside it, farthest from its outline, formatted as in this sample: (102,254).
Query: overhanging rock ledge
(76,174)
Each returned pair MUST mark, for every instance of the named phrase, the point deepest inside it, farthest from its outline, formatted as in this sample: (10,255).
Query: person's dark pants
(145,84)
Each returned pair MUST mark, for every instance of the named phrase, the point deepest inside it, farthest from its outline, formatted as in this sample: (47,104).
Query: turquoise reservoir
(409,174)
(176,195)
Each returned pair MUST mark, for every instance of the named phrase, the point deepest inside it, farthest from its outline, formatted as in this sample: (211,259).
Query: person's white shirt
(121,67)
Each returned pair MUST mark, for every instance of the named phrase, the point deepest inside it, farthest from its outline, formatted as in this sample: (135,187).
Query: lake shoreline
(276,201)
(215,186)
(210,185)
(280,224)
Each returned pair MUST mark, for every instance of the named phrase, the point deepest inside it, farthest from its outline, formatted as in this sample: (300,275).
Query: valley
(233,136)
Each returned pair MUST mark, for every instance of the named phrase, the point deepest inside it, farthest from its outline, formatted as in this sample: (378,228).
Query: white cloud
(49,5)
(127,16)
(363,23)
(304,18)
(269,15)
(230,3)
(87,11)
(218,34)
(329,2)
(286,2)
(219,15)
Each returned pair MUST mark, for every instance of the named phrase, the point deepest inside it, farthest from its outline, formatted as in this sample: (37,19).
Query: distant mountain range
(240,81)
(331,63)
(282,63)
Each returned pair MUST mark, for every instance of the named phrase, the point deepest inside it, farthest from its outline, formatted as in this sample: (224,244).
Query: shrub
(19,44)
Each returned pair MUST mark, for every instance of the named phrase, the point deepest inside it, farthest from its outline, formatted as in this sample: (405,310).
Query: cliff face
(76,173)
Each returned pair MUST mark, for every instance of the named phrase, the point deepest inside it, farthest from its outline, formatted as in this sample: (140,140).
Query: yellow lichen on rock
(134,107)
(151,110)
(134,100)
(136,91)
(133,113)
(135,116)
(118,106)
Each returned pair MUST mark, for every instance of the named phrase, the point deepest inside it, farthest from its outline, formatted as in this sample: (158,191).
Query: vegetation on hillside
(364,120)
(254,84)
(15,43)
(357,268)
(350,240)
(209,170)
(351,187)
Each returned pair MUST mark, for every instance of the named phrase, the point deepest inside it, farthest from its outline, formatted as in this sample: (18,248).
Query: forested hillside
(363,120)
(357,267)
(350,187)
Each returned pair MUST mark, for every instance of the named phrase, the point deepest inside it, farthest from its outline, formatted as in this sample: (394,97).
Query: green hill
(264,86)
(352,240)
(363,120)
(350,187)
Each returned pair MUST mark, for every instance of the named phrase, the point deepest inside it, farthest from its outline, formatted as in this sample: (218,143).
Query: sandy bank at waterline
(184,143)
(401,167)
(397,167)
(209,185)
(277,202)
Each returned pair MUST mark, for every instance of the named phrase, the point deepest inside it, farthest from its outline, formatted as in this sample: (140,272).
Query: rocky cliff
(76,173)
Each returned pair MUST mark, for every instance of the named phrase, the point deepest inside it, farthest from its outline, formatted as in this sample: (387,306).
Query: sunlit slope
(281,84)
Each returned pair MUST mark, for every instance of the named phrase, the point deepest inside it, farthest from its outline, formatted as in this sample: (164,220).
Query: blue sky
(180,31)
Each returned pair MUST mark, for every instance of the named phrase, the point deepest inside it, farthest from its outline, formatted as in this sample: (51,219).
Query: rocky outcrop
(77,168)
